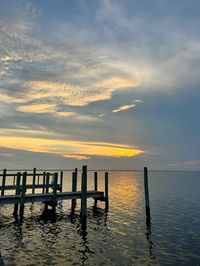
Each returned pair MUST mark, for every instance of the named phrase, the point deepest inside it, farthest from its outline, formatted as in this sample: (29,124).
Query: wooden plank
(84,192)
(40,197)
(28,186)
(33,184)
(3,182)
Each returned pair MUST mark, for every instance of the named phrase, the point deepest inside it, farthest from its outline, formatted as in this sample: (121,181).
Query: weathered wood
(106,190)
(74,188)
(14,177)
(84,192)
(61,181)
(95,181)
(3,182)
(17,192)
(146,188)
(40,197)
(43,182)
(23,192)
(33,184)
(95,186)
(55,180)
(47,183)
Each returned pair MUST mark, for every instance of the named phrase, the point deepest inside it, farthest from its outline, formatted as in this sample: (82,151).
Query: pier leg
(74,187)
(34,176)
(146,188)
(47,182)
(95,186)
(44,177)
(23,192)
(55,181)
(84,192)
(17,192)
(3,181)
(61,181)
(14,180)
(106,191)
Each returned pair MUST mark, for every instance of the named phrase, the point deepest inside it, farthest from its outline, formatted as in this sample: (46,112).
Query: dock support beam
(95,186)
(34,177)
(44,181)
(55,181)
(23,192)
(17,192)
(74,188)
(61,181)
(146,188)
(3,182)
(84,192)
(106,191)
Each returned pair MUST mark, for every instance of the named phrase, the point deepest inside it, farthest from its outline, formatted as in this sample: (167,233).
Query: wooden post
(17,192)
(61,181)
(95,186)
(34,176)
(3,181)
(23,192)
(84,192)
(55,180)
(44,177)
(74,186)
(106,191)
(146,188)
(14,179)
(47,182)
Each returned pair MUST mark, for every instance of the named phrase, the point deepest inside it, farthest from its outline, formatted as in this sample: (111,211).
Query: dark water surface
(119,237)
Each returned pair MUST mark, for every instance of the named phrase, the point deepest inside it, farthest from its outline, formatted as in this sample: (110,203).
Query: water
(119,237)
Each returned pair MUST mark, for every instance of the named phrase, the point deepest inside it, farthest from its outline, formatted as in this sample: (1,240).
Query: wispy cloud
(68,148)
(123,107)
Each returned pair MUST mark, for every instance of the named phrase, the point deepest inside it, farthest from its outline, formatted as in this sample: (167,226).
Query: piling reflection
(148,237)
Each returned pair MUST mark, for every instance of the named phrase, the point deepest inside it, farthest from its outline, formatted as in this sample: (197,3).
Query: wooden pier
(51,189)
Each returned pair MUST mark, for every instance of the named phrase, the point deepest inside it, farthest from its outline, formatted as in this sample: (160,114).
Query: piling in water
(146,189)
(17,192)
(84,192)
(23,192)
(106,191)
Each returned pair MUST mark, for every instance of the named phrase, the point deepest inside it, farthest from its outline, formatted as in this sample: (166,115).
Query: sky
(108,83)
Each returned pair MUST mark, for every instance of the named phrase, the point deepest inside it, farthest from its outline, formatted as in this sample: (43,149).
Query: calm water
(119,237)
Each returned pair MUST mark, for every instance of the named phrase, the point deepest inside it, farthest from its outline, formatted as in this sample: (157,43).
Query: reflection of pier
(53,182)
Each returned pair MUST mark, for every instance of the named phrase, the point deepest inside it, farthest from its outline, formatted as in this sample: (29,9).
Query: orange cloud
(68,148)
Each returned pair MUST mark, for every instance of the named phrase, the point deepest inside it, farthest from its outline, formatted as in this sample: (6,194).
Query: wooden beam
(3,182)
(84,192)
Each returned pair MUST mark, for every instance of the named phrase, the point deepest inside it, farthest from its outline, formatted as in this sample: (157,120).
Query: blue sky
(111,84)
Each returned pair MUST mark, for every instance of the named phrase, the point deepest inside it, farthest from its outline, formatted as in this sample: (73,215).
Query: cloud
(37,108)
(63,147)
(123,107)
(76,157)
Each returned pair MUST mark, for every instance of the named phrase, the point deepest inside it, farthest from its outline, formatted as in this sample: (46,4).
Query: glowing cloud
(123,107)
(37,108)
(68,148)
